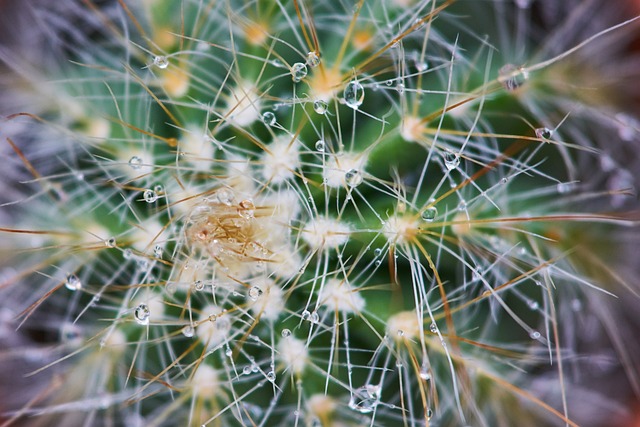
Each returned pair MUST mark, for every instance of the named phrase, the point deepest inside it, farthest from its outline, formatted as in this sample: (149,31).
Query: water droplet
(389,82)
(421,65)
(320,106)
(286,333)
(564,187)
(271,376)
(246,370)
(246,209)
(73,283)
(512,77)
(142,314)
(198,285)
(315,318)
(451,160)
(135,162)
(225,196)
(298,71)
(400,88)
(424,372)
(306,314)
(320,145)
(150,196)
(378,262)
(161,62)
(429,214)
(353,94)
(365,399)
(268,118)
(353,177)
(533,305)
(157,251)
(534,335)
(377,252)
(254,293)
(110,242)
(429,414)
(544,133)
(433,328)
(400,333)
(313,59)
(188,331)
(228,352)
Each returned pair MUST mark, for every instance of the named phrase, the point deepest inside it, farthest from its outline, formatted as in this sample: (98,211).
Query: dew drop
(433,328)
(142,314)
(73,282)
(198,285)
(315,318)
(377,252)
(353,94)
(150,196)
(110,242)
(286,333)
(365,399)
(389,82)
(225,196)
(298,71)
(246,209)
(313,59)
(424,372)
(320,106)
(188,331)
(378,262)
(228,352)
(533,305)
(254,293)
(306,314)
(135,162)
(246,370)
(429,214)
(421,65)
(268,118)
(534,335)
(271,376)
(451,160)
(160,61)
(320,145)
(512,77)
(353,177)
(400,88)
(544,133)
(157,251)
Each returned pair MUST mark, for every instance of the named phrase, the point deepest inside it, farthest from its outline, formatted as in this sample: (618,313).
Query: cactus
(314,213)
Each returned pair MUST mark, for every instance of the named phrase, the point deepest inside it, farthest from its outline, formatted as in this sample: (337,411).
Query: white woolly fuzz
(338,295)
(205,382)
(404,325)
(213,327)
(335,173)
(280,159)
(294,354)
(400,229)
(325,233)
(197,148)
(243,105)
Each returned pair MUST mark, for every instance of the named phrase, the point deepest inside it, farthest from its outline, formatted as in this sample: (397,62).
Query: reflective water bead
(157,251)
(142,313)
(512,77)
(429,214)
(188,331)
(225,196)
(160,61)
(73,282)
(313,59)
(286,333)
(271,376)
(269,118)
(544,133)
(110,242)
(320,106)
(353,94)
(451,160)
(353,177)
(320,145)
(246,370)
(298,71)
(246,209)
(254,293)
(199,285)
(421,65)
(433,328)
(135,162)
(400,88)
(377,252)
(315,318)
(365,399)
(150,196)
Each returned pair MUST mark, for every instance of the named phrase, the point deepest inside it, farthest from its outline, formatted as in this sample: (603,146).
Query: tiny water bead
(429,214)
(286,333)
(353,177)
(246,209)
(271,376)
(255,293)
(188,331)
(377,252)
(298,71)
(198,285)
(110,242)
(320,106)
(512,77)
(353,94)
(544,133)
(535,335)
(73,282)
(320,145)
(150,196)
(313,59)
(135,162)
(268,118)
(225,196)
(451,160)
(161,61)
(142,313)
(306,314)
(433,328)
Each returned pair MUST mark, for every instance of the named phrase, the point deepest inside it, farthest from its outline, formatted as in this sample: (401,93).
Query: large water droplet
(142,313)
(353,94)
(73,282)
(313,59)
(271,376)
(429,214)
(298,71)
(268,118)
(512,77)
(320,106)
(451,160)
(433,328)
(161,61)
(254,293)
(286,333)
(320,145)
(353,177)
(110,242)
(188,331)
(198,285)
(150,196)
(225,196)
(544,133)
(246,209)
(365,399)
(135,162)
